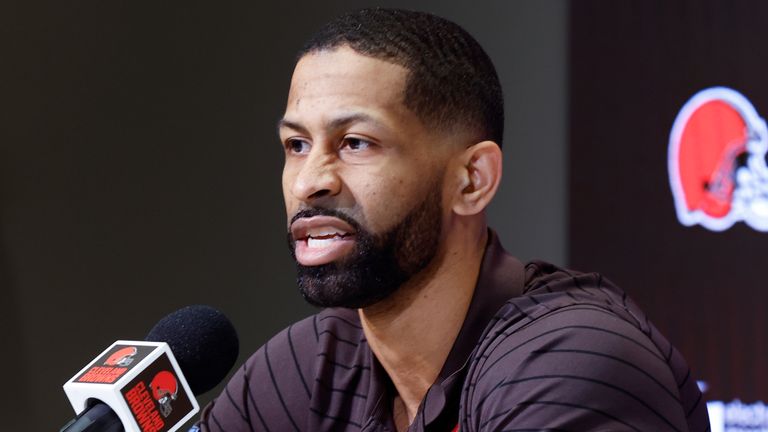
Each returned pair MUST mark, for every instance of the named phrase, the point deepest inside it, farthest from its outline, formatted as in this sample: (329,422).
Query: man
(392,135)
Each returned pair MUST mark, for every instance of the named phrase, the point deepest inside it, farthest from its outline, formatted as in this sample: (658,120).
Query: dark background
(140,169)
(634,64)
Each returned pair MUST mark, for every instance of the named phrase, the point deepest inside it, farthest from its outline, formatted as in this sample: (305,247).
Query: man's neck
(411,332)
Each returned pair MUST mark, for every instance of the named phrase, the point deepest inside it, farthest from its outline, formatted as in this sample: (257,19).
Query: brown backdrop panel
(633,65)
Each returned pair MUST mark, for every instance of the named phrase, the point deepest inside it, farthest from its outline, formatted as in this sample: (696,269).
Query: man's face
(363,179)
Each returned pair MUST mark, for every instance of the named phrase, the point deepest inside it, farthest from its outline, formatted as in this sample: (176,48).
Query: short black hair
(451,80)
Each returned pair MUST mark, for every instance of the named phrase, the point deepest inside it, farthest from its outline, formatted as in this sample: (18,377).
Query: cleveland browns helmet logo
(717,166)
(165,390)
(122,357)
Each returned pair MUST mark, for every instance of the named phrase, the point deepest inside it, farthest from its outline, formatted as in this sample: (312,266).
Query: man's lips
(321,239)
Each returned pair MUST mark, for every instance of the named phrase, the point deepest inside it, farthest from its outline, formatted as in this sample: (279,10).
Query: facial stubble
(379,263)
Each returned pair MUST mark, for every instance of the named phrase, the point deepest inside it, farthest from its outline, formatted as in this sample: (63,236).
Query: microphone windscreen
(203,341)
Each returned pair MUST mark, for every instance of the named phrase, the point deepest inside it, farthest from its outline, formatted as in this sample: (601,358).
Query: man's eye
(297,146)
(353,143)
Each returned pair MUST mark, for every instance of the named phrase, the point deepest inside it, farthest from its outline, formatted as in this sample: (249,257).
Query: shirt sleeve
(578,368)
(270,392)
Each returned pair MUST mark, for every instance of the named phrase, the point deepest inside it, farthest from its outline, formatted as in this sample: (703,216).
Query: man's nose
(317,177)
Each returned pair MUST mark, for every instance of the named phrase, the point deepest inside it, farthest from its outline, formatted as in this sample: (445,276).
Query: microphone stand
(96,418)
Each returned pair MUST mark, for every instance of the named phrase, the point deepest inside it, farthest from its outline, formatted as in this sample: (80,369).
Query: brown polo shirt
(541,348)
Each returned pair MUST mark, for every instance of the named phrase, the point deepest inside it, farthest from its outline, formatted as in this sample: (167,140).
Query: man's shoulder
(556,293)
(289,382)
(569,310)
(574,343)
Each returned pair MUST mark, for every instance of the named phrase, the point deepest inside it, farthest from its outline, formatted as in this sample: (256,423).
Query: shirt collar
(501,278)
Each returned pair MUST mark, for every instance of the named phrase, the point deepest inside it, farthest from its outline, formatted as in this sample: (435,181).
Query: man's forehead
(344,72)
(341,86)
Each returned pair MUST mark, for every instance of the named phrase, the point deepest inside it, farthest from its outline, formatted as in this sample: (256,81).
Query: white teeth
(324,232)
(319,243)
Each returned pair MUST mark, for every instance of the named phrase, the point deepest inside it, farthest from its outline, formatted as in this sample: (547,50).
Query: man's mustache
(320,211)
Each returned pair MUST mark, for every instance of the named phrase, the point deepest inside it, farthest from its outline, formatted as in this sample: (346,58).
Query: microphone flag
(141,382)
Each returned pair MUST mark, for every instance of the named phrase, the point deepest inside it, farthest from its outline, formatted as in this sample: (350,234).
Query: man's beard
(379,264)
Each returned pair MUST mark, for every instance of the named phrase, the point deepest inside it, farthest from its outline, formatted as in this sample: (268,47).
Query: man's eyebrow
(352,118)
(335,123)
(284,123)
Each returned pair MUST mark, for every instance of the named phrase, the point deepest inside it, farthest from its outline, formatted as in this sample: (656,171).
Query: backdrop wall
(635,65)
(141,169)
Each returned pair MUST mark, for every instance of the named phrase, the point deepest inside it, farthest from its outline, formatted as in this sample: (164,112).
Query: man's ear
(479,174)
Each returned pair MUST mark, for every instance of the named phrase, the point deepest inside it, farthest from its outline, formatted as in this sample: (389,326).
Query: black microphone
(141,386)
